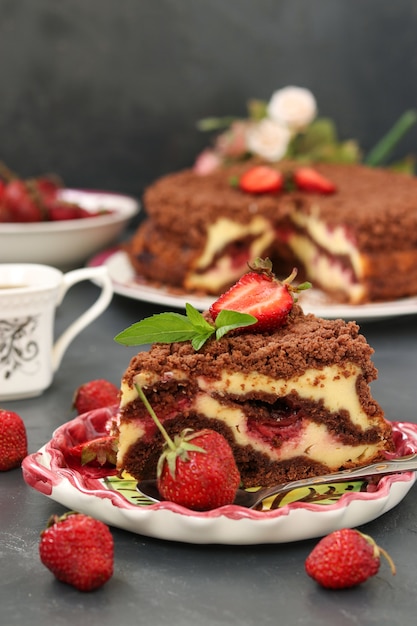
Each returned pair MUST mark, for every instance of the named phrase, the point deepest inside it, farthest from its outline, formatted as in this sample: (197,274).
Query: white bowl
(68,243)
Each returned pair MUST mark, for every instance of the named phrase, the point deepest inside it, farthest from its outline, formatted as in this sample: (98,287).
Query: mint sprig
(173,327)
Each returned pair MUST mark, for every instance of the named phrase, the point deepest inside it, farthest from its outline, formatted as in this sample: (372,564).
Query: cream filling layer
(219,235)
(307,247)
(128,434)
(312,440)
(333,385)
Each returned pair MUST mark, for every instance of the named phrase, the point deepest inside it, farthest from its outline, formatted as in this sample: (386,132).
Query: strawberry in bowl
(41,221)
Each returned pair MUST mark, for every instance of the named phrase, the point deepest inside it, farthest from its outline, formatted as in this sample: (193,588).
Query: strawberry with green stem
(345,558)
(260,294)
(196,469)
(78,550)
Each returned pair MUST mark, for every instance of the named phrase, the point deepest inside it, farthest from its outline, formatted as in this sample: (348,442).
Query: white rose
(268,139)
(293,106)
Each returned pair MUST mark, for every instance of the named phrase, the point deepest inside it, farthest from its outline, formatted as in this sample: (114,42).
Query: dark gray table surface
(159,582)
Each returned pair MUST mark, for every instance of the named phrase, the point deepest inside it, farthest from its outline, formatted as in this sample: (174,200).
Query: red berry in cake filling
(164,414)
(274,423)
(261,179)
(308,179)
(238,252)
(276,433)
(260,294)
(345,558)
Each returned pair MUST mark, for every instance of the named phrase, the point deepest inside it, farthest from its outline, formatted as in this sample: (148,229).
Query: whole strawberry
(13,440)
(95,394)
(345,558)
(261,294)
(78,550)
(196,469)
(199,471)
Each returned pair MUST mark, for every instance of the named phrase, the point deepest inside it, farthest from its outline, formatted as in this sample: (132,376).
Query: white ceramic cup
(29,296)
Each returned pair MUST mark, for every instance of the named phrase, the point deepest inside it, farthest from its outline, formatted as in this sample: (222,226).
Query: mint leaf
(160,328)
(203,330)
(199,340)
(230,320)
(197,319)
(173,327)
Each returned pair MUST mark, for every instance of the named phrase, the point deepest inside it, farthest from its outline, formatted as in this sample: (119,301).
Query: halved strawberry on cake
(289,391)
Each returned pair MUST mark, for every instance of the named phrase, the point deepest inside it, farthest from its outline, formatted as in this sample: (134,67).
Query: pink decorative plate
(301,514)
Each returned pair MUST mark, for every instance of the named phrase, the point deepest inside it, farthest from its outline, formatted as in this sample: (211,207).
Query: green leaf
(198,341)
(387,144)
(257,109)
(173,327)
(304,286)
(406,165)
(160,328)
(197,319)
(230,320)
(215,123)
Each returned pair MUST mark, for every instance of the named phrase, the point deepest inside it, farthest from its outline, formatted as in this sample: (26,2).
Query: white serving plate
(126,283)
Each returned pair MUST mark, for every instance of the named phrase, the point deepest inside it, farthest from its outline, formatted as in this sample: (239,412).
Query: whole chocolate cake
(358,244)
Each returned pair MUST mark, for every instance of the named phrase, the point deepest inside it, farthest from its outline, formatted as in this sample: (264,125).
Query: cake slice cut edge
(311,415)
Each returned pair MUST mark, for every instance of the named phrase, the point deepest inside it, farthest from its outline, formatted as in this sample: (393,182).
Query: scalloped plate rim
(228,525)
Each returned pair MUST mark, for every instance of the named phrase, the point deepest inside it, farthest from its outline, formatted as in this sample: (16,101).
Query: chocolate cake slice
(293,402)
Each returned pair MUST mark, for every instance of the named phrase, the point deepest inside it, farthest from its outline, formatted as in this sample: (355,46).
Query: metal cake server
(250,499)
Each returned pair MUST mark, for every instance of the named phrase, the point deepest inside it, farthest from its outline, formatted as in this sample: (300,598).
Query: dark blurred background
(107,93)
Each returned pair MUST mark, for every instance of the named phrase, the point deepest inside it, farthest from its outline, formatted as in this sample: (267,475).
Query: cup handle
(100,276)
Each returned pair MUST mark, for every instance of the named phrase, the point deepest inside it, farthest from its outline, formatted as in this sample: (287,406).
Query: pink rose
(233,142)
(206,162)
